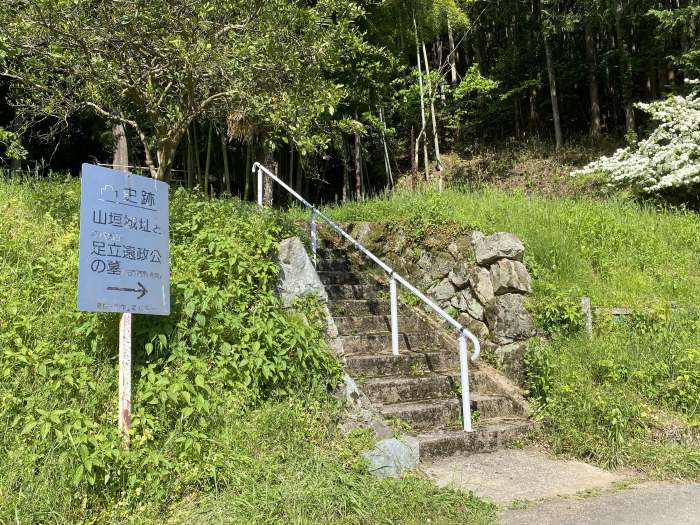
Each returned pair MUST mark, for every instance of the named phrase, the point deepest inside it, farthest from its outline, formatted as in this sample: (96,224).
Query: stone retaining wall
(479,279)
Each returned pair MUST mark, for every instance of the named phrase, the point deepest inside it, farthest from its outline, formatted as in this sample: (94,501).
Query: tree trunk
(247,172)
(431,98)
(625,68)
(358,167)
(120,148)
(592,70)
(414,156)
(291,166)
(268,186)
(165,156)
(516,113)
(387,162)
(198,165)
(300,176)
(553,93)
(453,54)
(479,53)
(346,170)
(190,161)
(422,133)
(207,163)
(227,174)
(534,116)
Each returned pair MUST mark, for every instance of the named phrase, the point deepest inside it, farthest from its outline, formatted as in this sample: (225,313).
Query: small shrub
(539,373)
(558,313)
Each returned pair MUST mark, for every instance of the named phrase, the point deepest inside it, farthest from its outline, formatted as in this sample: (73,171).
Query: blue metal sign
(123,264)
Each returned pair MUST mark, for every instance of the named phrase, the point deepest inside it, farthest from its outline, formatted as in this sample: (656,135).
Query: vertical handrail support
(394,315)
(464,380)
(314,238)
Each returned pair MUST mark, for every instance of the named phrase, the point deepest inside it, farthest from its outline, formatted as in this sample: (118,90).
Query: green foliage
(558,313)
(13,146)
(232,421)
(258,64)
(615,398)
(538,360)
(617,252)
(227,348)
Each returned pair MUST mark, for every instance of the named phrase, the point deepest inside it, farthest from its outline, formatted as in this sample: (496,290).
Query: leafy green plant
(539,378)
(558,313)
(227,347)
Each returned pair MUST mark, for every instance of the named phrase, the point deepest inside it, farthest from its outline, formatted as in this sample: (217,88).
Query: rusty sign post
(123,265)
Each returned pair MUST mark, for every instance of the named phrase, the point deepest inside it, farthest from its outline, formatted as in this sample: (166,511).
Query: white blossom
(669,158)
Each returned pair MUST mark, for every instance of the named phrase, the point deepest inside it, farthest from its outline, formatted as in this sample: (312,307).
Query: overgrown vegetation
(629,396)
(230,390)
(618,252)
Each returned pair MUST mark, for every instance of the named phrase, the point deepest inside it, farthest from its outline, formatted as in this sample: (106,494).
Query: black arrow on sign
(141,290)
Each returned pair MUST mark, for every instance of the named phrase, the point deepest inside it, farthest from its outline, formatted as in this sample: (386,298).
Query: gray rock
(454,250)
(440,267)
(510,277)
(425,261)
(508,319)
(480,281)
(391,457)
(497,246)
(297,275)
(459,302)
(442,291)
(478,328)
(359,410)
(510,360)
(459,276)
(465,301)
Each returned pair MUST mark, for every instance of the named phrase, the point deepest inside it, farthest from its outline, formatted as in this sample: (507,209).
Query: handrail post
(464,376)
(394,316)
(314,238)
(260,187)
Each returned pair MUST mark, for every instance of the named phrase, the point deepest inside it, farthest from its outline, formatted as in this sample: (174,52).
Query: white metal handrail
(463,333)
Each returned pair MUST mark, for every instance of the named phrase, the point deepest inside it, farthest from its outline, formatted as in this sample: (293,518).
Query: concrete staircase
(421,386)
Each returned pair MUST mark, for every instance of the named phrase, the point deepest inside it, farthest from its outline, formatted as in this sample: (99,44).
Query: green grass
(232,421)
(630,396)
(618,252)
(298,470)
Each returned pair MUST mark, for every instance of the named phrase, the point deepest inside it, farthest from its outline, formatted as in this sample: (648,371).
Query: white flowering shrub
(669,159)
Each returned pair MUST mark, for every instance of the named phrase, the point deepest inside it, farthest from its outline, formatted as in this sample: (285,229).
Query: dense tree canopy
(341,95)
(158,66)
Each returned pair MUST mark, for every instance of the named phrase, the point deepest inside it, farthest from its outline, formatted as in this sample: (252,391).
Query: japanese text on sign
(123,264)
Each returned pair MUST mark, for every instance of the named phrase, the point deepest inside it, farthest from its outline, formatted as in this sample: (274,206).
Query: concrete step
(406,363)
(352,291)
(488,434)
(379,324)
(403,389)
(343,277)
(348,307)
(332,265)
(447,413)
(424,415)
(330,253)
(375,344)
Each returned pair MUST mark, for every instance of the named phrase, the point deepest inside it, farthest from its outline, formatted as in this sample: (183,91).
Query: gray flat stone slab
(644,504)
(507,475)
